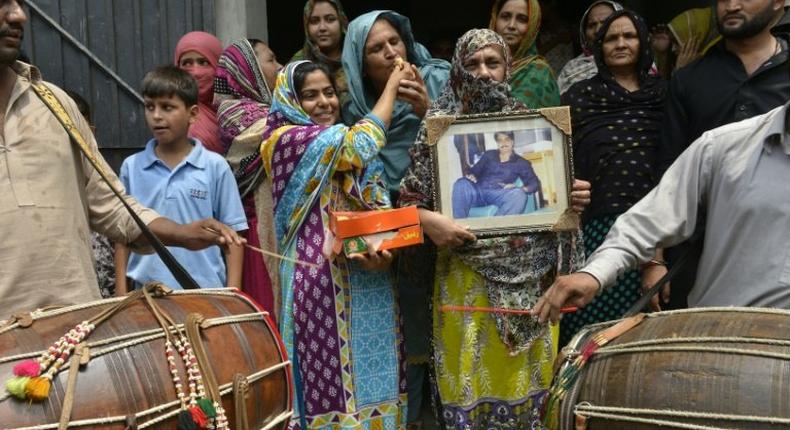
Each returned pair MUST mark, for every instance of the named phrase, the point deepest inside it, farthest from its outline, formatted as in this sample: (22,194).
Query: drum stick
(271,254)
(450,308)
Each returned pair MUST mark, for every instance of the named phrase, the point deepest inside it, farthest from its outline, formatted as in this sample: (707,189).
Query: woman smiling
(339,318)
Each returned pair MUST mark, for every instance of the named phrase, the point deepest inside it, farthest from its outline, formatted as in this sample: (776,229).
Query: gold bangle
(654,262)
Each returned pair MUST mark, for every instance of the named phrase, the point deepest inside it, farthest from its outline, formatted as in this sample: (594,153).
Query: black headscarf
(645,61)
(615,131)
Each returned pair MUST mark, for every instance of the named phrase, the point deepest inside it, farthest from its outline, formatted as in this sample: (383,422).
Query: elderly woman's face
(595,20)
(487,63)
(382,47)
(267,61)
(621,44)
(512,23)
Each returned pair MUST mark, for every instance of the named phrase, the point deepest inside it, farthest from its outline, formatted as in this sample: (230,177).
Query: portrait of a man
(500,178)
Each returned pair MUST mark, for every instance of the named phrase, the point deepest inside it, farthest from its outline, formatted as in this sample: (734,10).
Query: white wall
(236,19)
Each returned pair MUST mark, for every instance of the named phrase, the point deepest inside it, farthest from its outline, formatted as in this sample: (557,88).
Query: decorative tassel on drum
(16,386)
(185,421)
(207,407)
(36,384)
(36,376)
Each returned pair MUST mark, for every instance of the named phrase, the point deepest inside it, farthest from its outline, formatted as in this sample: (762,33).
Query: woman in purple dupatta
(339,317)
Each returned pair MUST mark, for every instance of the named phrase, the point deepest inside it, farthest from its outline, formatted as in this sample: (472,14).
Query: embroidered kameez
(492,370)
(339,322)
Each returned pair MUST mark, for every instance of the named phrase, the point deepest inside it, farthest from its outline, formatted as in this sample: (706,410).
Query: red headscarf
(205,128)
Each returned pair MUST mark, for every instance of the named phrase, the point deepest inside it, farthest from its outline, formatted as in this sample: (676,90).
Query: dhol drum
(705,368)
(221,365)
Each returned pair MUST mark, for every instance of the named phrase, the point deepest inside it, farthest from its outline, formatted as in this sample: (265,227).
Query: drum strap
(569,373)
(80,357)
(48,97)
(240,387)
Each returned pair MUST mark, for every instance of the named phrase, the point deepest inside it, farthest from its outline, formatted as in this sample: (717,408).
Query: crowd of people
(677,130)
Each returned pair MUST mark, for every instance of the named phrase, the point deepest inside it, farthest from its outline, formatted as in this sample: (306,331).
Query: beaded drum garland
(33,378)
(199,411)
(179,364)
(198,408)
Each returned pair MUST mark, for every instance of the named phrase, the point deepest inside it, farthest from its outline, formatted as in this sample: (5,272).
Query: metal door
(101,49)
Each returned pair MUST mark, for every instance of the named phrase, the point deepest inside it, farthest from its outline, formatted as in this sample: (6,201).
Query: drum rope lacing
(39,314)
(168,327)
(728,309)
(224,390)
(589,410)
(140,337)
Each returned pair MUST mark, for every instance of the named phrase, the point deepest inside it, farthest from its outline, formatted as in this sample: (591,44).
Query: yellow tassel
(16,386)
(37,389)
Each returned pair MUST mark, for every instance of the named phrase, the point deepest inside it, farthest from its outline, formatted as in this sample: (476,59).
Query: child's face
(169,118)
(318,99)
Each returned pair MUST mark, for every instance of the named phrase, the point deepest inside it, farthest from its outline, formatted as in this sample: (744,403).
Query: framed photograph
(504,174)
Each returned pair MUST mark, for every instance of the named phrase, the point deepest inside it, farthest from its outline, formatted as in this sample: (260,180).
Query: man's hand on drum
(652,273)
(576,289)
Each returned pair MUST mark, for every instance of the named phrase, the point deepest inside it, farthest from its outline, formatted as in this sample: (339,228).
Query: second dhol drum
(707,368)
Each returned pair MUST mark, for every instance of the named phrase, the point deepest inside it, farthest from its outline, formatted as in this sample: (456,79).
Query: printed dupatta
(312,167)
(517,268)
(242,99)
(301,157)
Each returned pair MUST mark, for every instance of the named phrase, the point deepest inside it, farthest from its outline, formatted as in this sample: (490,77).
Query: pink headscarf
(205,128)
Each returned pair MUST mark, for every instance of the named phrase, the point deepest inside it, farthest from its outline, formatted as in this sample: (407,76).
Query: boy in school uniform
(180,179)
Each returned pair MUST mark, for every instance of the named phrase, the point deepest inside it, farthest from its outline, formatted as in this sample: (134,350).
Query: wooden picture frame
(504,173)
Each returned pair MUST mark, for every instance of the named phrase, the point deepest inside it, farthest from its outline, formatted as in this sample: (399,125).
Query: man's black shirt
(715,90)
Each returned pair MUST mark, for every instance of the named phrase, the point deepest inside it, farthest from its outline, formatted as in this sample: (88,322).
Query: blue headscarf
(405,124)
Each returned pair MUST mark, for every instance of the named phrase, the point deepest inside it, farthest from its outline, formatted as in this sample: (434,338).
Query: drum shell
(136,377)
(691,381)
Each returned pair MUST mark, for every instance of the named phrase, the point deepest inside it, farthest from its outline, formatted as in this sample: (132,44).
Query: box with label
(383,230)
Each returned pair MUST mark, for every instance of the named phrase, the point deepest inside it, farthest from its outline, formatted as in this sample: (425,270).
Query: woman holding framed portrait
(490,368)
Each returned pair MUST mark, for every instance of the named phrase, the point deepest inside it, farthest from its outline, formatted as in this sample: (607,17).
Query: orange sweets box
(385,229)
